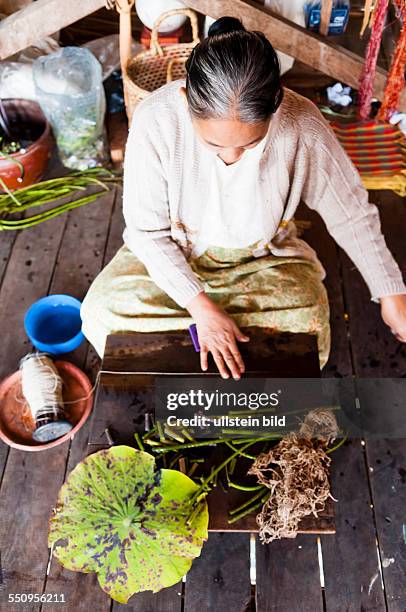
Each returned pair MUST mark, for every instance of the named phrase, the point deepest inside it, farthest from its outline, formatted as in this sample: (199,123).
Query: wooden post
(325,16)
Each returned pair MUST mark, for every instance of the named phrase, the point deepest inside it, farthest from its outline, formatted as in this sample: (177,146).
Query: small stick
(108,436)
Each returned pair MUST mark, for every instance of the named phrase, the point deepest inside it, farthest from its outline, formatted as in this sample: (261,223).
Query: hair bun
(224,25)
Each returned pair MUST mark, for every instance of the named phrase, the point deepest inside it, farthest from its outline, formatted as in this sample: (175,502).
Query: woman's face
(229,138)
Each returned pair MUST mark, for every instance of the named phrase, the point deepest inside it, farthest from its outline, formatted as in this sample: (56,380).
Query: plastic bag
(107,50)
(69,88)
(16,81)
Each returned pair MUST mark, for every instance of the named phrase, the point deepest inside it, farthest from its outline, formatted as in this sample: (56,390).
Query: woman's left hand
(393,310)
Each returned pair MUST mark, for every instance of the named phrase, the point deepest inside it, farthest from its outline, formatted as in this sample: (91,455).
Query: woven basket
(151,69)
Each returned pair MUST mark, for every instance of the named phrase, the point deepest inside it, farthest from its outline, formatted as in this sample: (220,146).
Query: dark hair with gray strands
(233,73)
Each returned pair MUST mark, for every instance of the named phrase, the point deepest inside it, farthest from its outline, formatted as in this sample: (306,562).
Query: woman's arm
(333,187)
(146,213)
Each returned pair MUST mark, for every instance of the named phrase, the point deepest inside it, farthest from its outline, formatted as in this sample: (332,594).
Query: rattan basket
(151,69)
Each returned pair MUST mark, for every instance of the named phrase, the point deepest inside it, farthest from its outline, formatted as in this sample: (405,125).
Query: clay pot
(26,115)
(16,422)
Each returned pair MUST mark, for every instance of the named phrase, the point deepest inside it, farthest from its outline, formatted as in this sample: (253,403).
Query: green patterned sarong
(283,293)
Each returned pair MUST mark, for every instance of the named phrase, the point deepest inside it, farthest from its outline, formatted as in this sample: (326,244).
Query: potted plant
(25,143)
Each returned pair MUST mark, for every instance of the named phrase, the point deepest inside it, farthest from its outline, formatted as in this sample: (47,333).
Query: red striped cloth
(376,148)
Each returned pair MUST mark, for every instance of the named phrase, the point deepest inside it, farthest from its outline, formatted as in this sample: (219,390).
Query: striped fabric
(378,151)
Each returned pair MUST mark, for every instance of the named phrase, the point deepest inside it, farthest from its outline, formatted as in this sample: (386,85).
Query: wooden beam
(40,19)
(311,49)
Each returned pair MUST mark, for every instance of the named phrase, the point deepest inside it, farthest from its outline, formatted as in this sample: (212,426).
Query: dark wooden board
(272,355)
(378,354)
(376,351)
(220,577)
(288,576)
(121,412)
(383,355)
(387,460)
(167,600)
(220,503)
(339,363)
(350,557)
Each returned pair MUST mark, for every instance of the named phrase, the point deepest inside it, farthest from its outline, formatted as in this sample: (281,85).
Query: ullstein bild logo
(221,399)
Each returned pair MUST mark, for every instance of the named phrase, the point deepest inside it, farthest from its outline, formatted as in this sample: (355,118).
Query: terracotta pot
(16,422)
(37,155)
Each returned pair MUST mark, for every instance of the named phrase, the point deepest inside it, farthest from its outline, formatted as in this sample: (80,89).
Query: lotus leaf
(135,526)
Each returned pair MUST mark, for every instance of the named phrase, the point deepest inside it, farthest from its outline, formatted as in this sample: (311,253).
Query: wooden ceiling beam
(39,19)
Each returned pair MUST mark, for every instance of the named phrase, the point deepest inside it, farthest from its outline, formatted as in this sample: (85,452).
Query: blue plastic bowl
(53,324)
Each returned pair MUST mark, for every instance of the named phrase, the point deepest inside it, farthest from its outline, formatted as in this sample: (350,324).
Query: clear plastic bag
(69,88)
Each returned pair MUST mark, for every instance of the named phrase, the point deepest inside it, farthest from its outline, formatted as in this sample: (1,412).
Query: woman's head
(233,87)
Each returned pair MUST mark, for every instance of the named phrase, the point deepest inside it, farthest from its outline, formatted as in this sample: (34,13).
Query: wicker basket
(151,69)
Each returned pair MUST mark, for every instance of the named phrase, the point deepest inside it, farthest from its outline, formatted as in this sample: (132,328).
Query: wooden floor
(364,564)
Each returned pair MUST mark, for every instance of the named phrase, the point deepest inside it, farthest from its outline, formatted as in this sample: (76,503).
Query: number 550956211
(36,597)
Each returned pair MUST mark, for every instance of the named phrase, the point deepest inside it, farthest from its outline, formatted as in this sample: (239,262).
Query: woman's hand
(393,310)
(218,334)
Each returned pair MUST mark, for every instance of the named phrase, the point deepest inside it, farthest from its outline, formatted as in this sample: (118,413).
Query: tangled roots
(296,472)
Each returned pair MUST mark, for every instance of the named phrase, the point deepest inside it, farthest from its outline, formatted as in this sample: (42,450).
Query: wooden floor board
(378,354)
(220,577)
(26,279)
(387,460)
(75,270)
(339,364)
(350,559)
(288,576)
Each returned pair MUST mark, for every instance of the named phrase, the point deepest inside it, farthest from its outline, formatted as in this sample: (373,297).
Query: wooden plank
(311,49)
(6,248)
(220,577)
(40,19)
(221,503)
(167,600)
(378,354)
(325,16)
(288,575)
(376,351)
(121,412)
(268,353)
(26,278)
(30,481)
(75,270)
(387,461)
(339,364)
(350,559)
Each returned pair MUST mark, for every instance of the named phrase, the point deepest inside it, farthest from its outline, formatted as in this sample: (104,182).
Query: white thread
(41,386)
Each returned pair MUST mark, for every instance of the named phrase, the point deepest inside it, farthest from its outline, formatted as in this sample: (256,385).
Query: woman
(214,171)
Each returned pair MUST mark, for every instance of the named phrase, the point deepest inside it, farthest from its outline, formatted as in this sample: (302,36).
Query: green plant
(53,191)
(118,516)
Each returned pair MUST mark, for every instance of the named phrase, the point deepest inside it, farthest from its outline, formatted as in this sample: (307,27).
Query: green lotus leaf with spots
(135,526)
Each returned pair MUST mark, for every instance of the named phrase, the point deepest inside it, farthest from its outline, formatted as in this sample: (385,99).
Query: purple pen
(194,336)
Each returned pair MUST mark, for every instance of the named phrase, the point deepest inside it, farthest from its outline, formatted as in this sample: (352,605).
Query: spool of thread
(42,389)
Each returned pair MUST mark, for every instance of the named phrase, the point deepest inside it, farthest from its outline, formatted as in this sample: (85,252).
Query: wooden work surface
(124,398)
